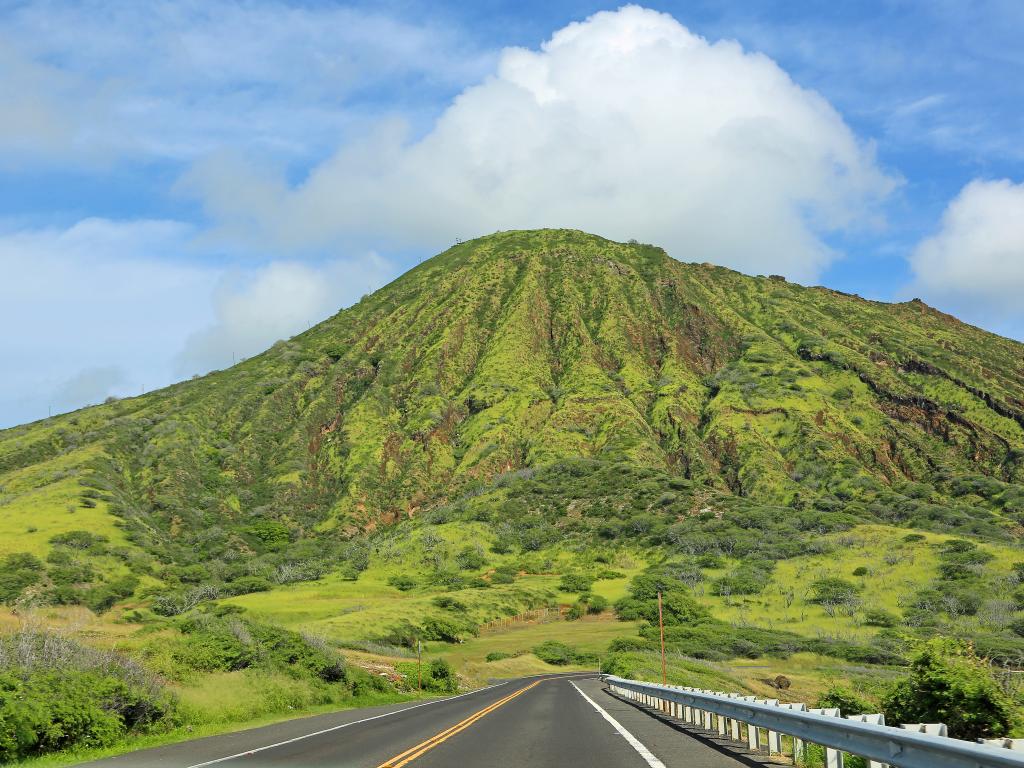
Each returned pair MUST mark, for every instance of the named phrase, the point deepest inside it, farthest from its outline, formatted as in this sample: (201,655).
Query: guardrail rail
(766,724)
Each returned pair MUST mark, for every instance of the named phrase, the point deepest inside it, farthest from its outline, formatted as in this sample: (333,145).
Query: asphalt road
(539,722)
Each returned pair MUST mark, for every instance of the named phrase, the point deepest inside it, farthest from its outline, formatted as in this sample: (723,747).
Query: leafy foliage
(949,684)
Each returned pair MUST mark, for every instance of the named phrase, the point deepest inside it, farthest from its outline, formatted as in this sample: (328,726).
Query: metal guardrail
(880,744)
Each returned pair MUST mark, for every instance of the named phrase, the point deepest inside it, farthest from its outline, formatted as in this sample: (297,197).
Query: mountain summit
(527,349)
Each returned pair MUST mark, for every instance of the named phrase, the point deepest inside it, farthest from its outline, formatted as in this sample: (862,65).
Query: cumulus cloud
(626,124)
(975,263)
(256,308)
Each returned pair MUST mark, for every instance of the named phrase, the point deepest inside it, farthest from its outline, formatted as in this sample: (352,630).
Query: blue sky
(183,183)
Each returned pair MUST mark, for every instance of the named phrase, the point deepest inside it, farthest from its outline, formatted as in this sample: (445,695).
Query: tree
(948,683)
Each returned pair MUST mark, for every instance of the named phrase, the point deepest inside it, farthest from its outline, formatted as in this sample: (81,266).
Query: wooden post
(661,627)
(419,663)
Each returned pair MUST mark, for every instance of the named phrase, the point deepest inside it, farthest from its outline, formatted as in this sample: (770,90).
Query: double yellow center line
(425,746)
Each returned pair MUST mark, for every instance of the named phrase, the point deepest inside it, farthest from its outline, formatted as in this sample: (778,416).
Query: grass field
(896,569)
(343,610)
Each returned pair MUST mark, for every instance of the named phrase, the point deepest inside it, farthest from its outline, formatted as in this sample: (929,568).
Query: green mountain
(530,424)
(708,393)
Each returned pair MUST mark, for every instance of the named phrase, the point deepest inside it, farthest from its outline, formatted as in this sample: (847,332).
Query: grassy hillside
(539,421)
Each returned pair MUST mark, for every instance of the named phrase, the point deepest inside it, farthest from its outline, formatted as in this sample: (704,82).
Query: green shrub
(560,654)
(504,574)
(575,582)
(446,629)
(949,684)
(245,585)
(470,558)
(833,591)
(449,603)
(56,694)
(402,582)
(848,702)
(876,617)
(437,676)
(84,540)
(748,578)
(18,571)
(270,532)
(576,611)
(861,570)
(597,604)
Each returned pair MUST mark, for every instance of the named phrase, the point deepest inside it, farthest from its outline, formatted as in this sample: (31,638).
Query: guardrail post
(878,719)
(739,725)
(932,729)
(833,757)
(1017,745)
(774,739)
(912,745)
(798,744)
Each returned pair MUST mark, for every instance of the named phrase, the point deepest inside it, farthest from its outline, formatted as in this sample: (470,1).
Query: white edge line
(634,742)
(345,725)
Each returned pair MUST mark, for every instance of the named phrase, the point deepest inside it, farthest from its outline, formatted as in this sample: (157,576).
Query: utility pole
(661,627)
(419,664)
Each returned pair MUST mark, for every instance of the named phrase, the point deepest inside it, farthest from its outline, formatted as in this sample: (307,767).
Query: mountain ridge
(524,349)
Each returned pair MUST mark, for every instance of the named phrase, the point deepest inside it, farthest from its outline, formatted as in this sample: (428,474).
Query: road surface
(538,722)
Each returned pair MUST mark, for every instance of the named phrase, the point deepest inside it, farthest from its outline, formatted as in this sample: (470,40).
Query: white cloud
(174,79)
(97,295)
(114,307)
(974,264)
(626,124)
(256,308)
(90,385)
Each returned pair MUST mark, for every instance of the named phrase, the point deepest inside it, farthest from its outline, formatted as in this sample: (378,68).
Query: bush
(245,585)
(876,617)
(446,629)
(560,654)
(437,676)
(576,611)
(18,571)
(442,677)
(470,558)
(102,597)
(449,603)
(504,574)
(402,582)
(861,570)
(499,655)
(744,579)
(832,590)
(949,684)
(575,582)
(597,604)
(84,540)
(56,694)
(848,702)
